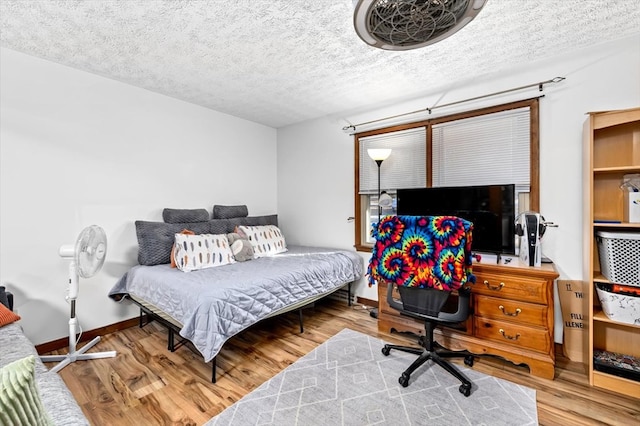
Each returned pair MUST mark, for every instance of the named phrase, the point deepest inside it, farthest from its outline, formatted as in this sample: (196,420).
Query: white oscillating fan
(87,258)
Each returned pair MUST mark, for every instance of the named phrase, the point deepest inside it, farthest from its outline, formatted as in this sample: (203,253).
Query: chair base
(438,357)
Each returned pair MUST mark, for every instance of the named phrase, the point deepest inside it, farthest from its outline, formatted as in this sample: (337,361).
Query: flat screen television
(491,208)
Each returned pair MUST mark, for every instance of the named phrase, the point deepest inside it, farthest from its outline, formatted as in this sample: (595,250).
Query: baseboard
(558,348)
(54,345)
(366,302)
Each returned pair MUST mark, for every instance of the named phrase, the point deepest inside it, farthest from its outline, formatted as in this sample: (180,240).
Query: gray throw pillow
(155,239)
(221,226)
(271,219)
(185,215)
(225,226)
(229,212)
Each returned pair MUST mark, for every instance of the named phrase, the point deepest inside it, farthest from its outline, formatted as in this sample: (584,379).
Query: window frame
(534,154)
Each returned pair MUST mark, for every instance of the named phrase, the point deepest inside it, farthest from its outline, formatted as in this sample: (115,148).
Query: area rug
(348,381)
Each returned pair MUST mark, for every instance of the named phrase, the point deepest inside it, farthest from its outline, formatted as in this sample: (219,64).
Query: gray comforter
(214,304)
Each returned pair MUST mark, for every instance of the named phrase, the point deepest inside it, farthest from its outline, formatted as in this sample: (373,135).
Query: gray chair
(426,304)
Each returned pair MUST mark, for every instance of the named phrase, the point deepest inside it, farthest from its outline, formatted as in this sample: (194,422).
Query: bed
(209,306)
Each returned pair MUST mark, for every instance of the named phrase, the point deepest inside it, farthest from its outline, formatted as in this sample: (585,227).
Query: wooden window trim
(534,137)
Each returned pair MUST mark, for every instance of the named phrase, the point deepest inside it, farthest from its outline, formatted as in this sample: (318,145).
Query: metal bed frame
(153,313)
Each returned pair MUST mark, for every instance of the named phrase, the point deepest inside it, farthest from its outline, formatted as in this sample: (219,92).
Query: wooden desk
(512,316)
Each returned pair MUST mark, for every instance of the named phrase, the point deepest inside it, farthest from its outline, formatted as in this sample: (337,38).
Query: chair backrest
(425,301)
(422,251)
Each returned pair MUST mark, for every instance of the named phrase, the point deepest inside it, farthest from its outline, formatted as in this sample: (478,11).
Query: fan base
(77,356)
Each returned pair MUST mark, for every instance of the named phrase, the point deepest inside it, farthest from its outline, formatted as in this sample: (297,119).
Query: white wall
(315,173)
(315,158)
(77,149)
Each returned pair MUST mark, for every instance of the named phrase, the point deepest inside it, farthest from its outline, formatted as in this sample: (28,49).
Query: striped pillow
(173,248)
(194,252)
(266,240)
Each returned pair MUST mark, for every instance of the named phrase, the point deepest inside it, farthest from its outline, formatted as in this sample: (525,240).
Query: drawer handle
(511,314)
(495,288)
(516,337)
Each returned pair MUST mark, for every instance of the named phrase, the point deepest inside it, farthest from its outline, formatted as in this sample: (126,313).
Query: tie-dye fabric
(422,251)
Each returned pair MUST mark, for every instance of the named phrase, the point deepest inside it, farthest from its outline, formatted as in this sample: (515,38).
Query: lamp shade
(379,154)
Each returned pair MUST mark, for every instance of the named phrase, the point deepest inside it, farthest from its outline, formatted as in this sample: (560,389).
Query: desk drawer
(533,338)
(510,310)
(511,287)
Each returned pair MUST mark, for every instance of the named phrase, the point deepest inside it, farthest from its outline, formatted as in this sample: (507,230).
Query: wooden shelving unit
(612,150)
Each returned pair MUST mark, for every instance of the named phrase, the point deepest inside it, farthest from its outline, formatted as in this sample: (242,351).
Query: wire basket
(619,254)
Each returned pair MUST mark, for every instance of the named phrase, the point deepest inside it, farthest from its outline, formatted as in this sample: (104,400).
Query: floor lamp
(378,155)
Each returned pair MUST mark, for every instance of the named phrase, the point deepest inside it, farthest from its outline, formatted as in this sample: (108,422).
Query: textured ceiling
(280,62)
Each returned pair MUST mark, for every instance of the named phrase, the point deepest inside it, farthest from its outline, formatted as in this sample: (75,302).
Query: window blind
(483,150)
(405,167)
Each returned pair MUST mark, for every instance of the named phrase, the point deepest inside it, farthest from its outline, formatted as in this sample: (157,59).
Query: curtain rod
(540,86)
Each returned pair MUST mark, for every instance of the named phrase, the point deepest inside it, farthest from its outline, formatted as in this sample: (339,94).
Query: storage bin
(619,254)
(619,302)
(621,365)
(631,212)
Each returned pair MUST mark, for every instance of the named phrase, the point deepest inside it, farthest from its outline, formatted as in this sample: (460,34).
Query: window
(490,146)
(404,168)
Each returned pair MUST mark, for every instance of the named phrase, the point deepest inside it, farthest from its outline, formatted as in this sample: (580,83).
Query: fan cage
(409,24)
(90,251)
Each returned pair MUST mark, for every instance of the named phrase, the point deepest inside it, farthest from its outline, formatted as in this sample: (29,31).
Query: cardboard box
(575,320)
(631,211)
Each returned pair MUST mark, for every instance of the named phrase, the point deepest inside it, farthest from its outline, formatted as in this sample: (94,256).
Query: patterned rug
(348,381)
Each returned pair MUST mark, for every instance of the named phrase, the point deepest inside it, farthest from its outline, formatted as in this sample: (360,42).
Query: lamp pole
(379,163)
(379,155)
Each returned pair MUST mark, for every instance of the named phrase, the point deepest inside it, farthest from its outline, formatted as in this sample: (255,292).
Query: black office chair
(426,304)
(426,258)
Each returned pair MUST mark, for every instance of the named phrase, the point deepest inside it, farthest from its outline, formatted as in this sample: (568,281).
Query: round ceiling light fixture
(411,24)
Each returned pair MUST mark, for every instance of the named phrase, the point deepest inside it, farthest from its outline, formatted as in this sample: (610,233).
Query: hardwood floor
(148,385)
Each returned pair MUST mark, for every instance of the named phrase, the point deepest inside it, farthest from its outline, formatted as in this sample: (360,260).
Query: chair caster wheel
(465,389)
(404,381)
(385,350)
(468,360)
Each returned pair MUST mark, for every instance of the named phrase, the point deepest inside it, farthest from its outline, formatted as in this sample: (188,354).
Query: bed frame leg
(170,342)
(301,323)
(213,368)
(349,294)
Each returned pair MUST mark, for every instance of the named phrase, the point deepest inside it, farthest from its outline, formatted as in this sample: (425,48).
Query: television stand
(478,258)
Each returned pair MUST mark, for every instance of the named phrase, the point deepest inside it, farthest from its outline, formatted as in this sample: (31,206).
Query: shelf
(618,169)
(615,383)
(612,150)
(615,225)
(598,315)
(604,119)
